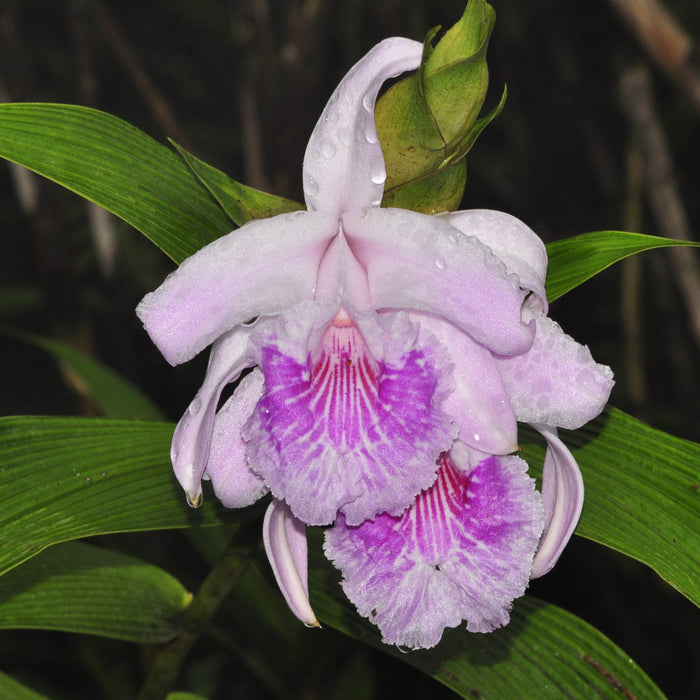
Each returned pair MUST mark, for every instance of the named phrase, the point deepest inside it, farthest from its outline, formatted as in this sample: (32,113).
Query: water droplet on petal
(371,135)
(440,264)
(379,176)
(454,236)
(328,149)
(368,101)
(195,406)
(311,187)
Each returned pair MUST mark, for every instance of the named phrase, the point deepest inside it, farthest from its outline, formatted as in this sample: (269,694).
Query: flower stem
(216,586)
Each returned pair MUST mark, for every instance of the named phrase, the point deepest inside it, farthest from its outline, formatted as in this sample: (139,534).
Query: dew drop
(371,135)
(454,236)
(440,264)
(328,149)
(379,177)
(195,406)
(368,101)
(311,188)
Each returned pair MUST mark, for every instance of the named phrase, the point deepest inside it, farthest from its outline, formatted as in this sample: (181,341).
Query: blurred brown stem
(166,666)
(662,189)
(128,58)
(665,41)
(631,302)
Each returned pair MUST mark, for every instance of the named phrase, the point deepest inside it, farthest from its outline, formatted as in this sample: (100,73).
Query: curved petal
(463,551)
(562,491)
(189,451)
(517,245)
(556,382)
(235,484)
(262,268)
(420,262)
(285,544)
(478,403)
(343,164)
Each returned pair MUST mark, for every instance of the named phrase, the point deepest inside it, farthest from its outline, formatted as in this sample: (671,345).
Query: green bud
(428,121)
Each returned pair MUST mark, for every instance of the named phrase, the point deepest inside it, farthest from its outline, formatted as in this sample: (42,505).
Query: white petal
(562,491)
(344,165)
(262,268)
(189,451)
(285,543)
(478,403)
(556,382)
(517,245)
(420,262)
(235,484)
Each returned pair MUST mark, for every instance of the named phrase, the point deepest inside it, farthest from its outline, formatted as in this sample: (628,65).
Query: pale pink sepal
(557,381)
(235,484)
(260,269)
(343,164)
(478,404)
(562,492)
(516,244)
(285,544)
(189,451)
(420,262)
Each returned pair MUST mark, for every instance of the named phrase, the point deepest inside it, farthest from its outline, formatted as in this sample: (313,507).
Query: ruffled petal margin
(342,430)
(557,381)
(463,551)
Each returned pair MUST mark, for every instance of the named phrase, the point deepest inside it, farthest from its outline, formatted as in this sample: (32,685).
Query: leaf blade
(66,478)
(112,163)
(80,588)
(574,260)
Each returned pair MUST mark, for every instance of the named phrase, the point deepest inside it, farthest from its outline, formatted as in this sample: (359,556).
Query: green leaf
(10,689)
(113,164)
(543,648)
(574,260)
(19,299)
(66,478)
(641,494)
(76,587)
(240,202)
(114,396)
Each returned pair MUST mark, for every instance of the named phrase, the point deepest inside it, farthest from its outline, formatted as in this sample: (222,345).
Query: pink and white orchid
(393,355)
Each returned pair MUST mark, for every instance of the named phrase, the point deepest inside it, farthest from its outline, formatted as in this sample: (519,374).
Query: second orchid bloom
(393,354)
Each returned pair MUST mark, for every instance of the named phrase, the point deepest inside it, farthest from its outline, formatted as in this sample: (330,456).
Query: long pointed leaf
(76,587)
(641,494)
(113,164)
(240,202)
(10,689)
(66,478)
(115,397)
(574,260)
(543,652)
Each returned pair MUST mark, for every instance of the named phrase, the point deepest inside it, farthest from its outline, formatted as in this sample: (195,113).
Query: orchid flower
(392,355)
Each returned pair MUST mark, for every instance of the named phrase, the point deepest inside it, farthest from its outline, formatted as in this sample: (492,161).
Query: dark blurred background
(600,131)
